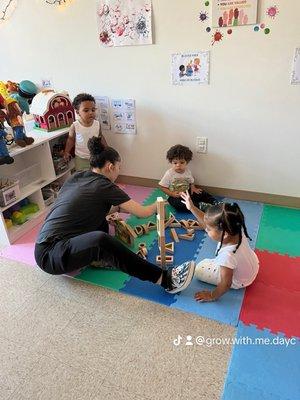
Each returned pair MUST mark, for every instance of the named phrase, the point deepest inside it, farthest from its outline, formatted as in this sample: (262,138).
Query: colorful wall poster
(103,112)
(233,12)
(123,116)
(190,68)
(296,68)
(124,22)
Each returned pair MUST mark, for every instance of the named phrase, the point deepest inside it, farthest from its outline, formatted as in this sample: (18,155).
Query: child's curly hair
(179,152)
(80,98)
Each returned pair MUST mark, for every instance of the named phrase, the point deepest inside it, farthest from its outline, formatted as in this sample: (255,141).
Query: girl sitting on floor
(235,265)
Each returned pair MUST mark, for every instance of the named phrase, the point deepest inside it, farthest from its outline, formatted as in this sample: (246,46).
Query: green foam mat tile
(110,279)
(280,231)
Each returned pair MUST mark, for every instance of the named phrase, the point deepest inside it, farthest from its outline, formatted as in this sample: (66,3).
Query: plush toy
(4,155)
(16,122)
(26,90)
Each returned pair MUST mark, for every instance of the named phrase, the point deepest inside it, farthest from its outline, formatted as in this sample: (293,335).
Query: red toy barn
(52,111)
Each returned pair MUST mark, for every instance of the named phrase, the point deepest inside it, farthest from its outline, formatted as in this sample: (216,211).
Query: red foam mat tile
(273,308)
(278,270)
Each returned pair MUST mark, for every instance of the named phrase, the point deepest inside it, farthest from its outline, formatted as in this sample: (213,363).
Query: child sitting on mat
(235,265)
(179,178)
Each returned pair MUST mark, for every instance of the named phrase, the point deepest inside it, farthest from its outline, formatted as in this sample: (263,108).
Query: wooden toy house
(52,111)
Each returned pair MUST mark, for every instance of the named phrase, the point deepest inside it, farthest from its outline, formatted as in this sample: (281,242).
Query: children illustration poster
(296,67)
(189,68)
(123,116)
(124,22)
(234,12)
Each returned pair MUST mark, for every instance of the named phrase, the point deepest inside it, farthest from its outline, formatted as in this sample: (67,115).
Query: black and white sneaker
(178,278)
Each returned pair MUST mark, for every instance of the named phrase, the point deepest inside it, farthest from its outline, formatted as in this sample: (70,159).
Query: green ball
(206,3)
(267,31)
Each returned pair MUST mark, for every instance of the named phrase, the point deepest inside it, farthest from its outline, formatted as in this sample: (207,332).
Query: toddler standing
(82,130)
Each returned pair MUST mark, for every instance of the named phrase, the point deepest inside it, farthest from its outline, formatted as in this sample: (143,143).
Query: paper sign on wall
(190,68)
(123,116)
(234,12)
(103,112)
(296,68)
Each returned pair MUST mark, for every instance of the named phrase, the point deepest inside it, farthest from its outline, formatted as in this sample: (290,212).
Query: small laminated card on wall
(123,116)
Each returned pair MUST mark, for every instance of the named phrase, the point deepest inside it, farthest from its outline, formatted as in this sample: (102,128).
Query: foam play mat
(267,311)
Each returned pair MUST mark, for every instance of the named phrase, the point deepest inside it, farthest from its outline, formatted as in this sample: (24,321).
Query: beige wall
(249,112)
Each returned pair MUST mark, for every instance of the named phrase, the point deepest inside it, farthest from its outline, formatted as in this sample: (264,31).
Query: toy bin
(9,191)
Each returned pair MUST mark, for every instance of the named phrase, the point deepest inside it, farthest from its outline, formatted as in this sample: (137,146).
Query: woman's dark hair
(80,98)
(179,152)
(100,154)
(227,217)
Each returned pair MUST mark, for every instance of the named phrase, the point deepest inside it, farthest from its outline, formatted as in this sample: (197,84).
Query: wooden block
(169,260)
(143,248)
(160,226)
(111,218)
(197,225)
(151,226)
(124,232)
(175,224)
(190,231)
(187,236)
(169,222)
(184,223)
(141,254)
(139,230)
(145,228)
(169,247)
(174,235)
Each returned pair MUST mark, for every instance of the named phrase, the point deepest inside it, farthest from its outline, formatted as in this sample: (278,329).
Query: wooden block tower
(161,230)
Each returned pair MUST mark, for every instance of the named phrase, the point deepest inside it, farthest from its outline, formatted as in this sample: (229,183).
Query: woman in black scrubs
(75,232)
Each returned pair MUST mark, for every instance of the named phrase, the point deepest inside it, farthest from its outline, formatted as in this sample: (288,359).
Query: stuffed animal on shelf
(16,122)
(23,93)
(4,155)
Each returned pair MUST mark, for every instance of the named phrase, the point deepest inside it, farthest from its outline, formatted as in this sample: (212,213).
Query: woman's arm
(132,207)
(224,285)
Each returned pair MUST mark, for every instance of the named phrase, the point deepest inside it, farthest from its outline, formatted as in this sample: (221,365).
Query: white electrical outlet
(201,144)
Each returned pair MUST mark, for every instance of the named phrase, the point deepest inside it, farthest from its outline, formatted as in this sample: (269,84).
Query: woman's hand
(204,296)
(196,190)
(186,200)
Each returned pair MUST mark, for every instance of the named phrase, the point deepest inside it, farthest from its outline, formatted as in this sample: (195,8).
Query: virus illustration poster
(296,68)
(233,13)
(124,22)
(189,68)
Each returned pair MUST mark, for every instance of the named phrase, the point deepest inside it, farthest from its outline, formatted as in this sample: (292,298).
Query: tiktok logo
(177,341)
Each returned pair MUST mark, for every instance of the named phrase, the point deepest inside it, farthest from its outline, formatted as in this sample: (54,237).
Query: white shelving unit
(34,168)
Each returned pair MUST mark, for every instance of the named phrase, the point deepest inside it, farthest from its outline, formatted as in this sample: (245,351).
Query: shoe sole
(188,279)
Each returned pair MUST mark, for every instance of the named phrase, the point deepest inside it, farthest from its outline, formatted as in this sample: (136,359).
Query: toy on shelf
(5,158)
(29,208)
(9,191)
(23,93)
(18,218)
(8,223)
(52,110)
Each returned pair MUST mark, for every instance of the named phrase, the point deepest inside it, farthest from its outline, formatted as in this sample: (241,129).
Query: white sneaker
(179,278)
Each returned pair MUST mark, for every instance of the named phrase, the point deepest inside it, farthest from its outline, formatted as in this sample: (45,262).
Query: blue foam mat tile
(272,370)
(252,211)
(148,291)
(226,310)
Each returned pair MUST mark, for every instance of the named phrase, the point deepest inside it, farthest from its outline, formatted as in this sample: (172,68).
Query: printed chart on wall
(190,68)
(103,112)
(123,116)
(296,68)
(124,23)
(234,12)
